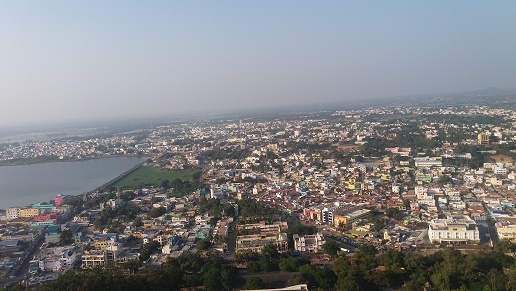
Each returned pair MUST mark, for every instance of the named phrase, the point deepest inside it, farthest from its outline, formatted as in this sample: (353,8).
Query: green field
(148,175)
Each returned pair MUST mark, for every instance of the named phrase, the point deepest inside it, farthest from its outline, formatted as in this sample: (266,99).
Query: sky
(64,61)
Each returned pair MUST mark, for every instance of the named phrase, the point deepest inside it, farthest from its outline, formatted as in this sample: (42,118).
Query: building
(266,234)
(112,253)
(256,242)
(506,230)
(483,138)
(309,243)
(453,229)
(12,213)
(29,212)
(427,162)
(59,260)
(93,259)
(346,219)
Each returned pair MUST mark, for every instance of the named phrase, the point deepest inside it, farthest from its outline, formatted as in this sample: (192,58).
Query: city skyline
(95,60)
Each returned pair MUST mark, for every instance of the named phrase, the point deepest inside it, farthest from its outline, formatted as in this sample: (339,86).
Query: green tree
(254,283)
(331,248)
(270,252)
(66,237)
(157,212)
(203,244)
(392,212)
(138,222)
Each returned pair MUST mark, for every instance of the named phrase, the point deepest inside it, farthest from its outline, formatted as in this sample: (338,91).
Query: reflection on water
(27,184)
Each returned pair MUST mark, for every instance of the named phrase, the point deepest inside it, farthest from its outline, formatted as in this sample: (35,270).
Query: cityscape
(265,145)
(312,188)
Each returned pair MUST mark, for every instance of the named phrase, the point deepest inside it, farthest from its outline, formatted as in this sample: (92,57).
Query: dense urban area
(399,197)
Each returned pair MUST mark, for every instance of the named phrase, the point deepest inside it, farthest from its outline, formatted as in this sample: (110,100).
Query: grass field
(148,175)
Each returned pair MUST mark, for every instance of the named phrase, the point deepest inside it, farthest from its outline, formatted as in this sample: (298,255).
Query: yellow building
(483,138)
(348,218)
(29,212)
(339,220)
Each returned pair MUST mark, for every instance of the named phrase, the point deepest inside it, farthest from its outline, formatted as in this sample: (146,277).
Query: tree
(392,212)
(365,259)
(165,184)
(147,249)
(254,283)
(66,237)
(331,248)
(444,179)
(270,252)
(292,264)
(157,212)
(203,244)
(138,222)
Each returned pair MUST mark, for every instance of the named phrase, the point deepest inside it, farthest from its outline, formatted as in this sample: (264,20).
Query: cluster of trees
(253,208)
(187,271)
(66,237)
(182,188)
(447,269)
(109,216)
(270,260)
(157,212)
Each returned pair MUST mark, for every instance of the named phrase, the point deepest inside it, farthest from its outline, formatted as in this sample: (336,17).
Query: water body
(27,184)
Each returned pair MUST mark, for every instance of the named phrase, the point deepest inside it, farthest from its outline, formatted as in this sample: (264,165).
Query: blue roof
(53,228)
(9,243)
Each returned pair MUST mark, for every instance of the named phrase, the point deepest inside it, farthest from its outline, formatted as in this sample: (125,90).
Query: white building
(428,162)
(12,213)
(454,229)
(308,243)
(59,261)
(506,230)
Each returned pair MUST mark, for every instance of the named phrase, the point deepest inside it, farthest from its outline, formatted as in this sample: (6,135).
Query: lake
(27,184)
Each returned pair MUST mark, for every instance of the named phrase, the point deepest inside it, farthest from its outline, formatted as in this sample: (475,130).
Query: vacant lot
(502,159)
(148,175)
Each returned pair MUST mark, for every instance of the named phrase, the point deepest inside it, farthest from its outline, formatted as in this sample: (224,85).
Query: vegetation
(254,283)
(153,176)
(446,269)
(331,248)
(66,237)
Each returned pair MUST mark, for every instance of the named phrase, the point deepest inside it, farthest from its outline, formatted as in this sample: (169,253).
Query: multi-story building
(93,259)
(506,231)
(424,162)
(12,213)
(267,234)
(29,212)
(483,138)
(453,229)
(256,242)
(308,243)
(346,219)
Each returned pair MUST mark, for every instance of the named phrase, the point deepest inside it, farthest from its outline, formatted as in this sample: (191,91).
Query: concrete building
(268,234)
(506,230)
(346,219)
(426,162)
(12,213)
(454,229)
(256,242)
(309,243)
(483,138)
(29,212)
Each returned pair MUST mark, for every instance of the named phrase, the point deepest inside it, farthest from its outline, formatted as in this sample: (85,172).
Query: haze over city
(65,61)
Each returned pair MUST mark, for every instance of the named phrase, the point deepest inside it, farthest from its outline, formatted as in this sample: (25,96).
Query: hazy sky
(76,60)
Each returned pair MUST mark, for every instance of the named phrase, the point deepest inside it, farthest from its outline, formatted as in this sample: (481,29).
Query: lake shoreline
(24,185)
(57,160)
